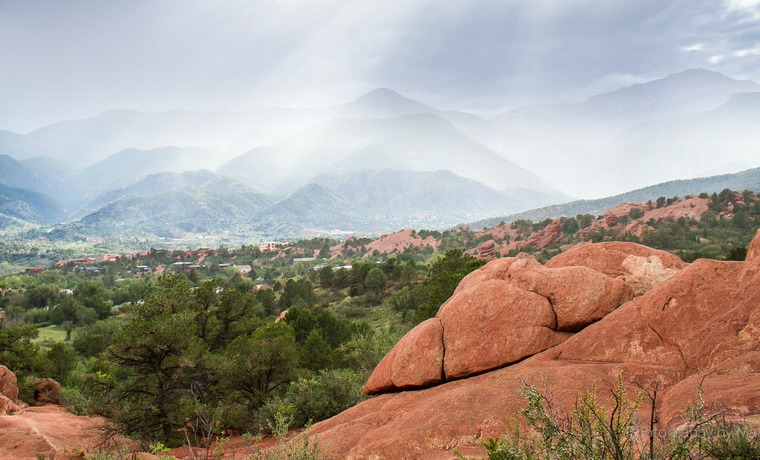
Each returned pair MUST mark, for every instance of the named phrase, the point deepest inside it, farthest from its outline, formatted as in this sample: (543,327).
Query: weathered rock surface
(50,431)
(46,391)
(506,311)
(548,236)
(609,258)
(416,361)
(9,403)
(579,296)
(702,324)
(494,324)
(487,250)
(8,384)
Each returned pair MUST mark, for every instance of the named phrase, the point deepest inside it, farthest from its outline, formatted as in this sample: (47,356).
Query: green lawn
(50,334)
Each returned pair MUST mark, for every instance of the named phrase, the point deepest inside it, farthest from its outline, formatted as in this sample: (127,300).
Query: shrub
(594,432)
(315,398)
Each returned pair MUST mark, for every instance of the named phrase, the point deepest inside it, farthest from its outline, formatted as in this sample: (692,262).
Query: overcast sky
(64,59)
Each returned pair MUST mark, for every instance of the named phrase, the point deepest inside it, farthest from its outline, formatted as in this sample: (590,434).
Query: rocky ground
(47,430)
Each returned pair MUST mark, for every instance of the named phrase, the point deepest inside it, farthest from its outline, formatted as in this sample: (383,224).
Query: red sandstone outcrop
(639,266)
(475,338)
(546,237)
(8,385)
(702,324)
(608,258)
(579,296)
(416,361)
(49,431)
(46,391)
(9,403)
(487,250)
(507,311)
(392,243)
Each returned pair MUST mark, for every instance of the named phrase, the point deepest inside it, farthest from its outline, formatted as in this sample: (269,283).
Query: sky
(64,59)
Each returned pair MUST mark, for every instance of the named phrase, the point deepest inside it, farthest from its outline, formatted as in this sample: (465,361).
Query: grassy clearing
(50,334)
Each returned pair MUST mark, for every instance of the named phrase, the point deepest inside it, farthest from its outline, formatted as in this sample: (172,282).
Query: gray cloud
(71,58)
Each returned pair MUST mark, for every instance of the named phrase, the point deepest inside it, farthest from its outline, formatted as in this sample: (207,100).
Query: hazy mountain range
(375,164)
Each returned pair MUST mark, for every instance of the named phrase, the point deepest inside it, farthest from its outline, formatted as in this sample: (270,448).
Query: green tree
(93,294)
(375,280)
(63,359)
(444,276)
(42,295)
(18,352)
(94,339)
(235,314)
(158,359)
(260,363)
(268,301)
(316,353)
(326,276)
(297,292)
(569,226)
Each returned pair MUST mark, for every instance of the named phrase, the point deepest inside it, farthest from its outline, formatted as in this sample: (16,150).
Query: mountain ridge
(747,179)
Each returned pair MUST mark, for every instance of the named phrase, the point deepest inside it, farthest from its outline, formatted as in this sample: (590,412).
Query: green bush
(316,398)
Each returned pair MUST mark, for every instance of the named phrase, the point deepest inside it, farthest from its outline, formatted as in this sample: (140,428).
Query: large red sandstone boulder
(416,361)
(639,266)
(609,257)
(49,431)
(8,407)
(753,250)
(9,403)
(494,270)
(579,296)
(46,391)
(506,311)
(487,250)
(494,324)
(700,326)
(8,384)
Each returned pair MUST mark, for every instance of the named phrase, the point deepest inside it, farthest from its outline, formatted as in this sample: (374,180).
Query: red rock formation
(416,361)
(539,306)
(391,243)
(640,267)
(48,431)
(475,338)
(9,403)
(487,250)
(8,386)
(608,258)
(46,391)
(579,296)
(28,432)
(546,237)
(702,321)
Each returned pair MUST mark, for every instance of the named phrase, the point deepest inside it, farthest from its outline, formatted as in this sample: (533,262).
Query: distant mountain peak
(699,74)
(686,81)
(384,95)
(688,91)
(383,102)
